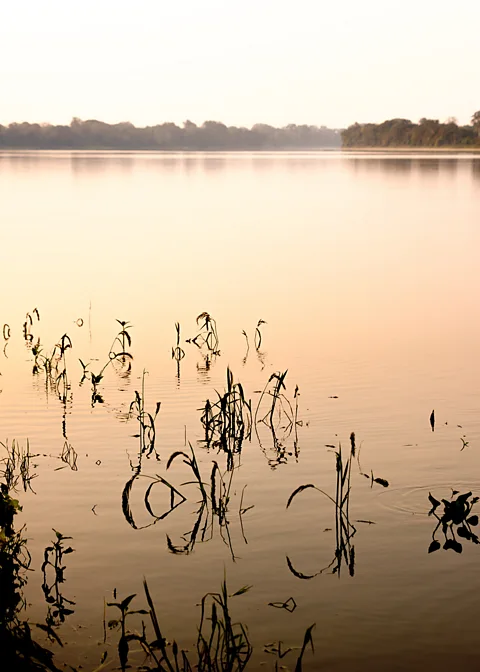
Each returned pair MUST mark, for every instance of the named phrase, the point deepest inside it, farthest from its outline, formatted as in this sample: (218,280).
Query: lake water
(365,269)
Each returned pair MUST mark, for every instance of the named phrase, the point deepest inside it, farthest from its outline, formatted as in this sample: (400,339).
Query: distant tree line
(211,135)
(404,133)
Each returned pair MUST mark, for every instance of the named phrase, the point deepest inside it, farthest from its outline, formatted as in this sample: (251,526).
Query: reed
(16,465)
(178,353)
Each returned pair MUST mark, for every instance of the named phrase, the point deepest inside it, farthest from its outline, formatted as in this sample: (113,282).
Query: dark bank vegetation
(211,135)
(405,133)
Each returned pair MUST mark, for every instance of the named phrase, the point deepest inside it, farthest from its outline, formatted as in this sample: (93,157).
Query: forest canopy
(211,135)
(405,133)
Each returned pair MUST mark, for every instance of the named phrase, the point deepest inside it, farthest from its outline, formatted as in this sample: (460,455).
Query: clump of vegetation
(208,335)
(19,650)
(54,365)
(16,465)
(122,340)
(276,412)
(223,645)
(405,133)
(58,605)
(456,520)
(227,422)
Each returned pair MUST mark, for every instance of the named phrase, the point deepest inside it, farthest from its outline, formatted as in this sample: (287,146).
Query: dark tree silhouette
(212,135)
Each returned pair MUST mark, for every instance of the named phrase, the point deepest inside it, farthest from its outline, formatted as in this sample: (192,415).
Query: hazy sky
(277,62)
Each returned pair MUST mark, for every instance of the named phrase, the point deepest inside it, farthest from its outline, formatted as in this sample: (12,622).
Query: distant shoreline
(265,150)
(411,149)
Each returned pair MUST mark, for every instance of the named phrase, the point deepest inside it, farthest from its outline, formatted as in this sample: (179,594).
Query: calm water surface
(365,269)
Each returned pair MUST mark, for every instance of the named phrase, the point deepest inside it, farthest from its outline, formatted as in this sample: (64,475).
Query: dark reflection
(344,530)
(203,367)
(96,163)
(216,494)
(456,520)
(475,166)
(175,499)
(404,165)
(213,164)
(147,438)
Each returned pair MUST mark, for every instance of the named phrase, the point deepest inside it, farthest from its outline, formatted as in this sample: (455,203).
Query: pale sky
(276,62)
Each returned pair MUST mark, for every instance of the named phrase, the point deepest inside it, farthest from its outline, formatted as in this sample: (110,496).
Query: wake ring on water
(413,500)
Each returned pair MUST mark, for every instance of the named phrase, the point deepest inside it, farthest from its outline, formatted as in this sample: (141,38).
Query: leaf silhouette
(434,546)
(301,488)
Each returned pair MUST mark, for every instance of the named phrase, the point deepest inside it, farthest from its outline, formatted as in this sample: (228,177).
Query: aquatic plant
(19,650)
(275,411)
(96,378)
(146,421)
(227,422)
(16,465)
(213,505)
(258,334)
(207,335)
(122,340)
(344,529)
(456,519)
(178,353)
(223,645)
(53,559)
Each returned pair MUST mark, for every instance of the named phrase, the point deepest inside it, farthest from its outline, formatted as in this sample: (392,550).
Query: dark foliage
(211,135)
(405,133)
